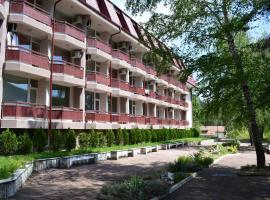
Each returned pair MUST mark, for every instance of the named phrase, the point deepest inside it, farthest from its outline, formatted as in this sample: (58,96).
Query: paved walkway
(220,182)
(84,182)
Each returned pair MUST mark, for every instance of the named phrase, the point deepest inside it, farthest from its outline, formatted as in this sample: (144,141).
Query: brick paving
(85,181)
(221,182)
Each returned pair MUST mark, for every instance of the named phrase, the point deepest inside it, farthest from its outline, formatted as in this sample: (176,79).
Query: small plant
(70,140)
(39,140)
(179,176)
(25,144)
(8,142)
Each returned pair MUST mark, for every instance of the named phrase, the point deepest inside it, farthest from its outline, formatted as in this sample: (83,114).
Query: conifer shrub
(84,140)
(125,137)
(70,140)
(8,142)
(40,140)
(119,137)
(25,144)
(102,140)
(110,137)
(57,140)
(93,138)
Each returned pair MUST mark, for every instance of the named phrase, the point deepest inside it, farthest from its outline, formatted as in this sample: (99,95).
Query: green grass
(9,164)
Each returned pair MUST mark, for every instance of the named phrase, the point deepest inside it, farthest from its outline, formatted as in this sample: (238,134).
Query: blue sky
(261,27)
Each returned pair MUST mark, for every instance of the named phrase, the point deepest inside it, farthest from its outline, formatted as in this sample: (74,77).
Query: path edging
(190,177)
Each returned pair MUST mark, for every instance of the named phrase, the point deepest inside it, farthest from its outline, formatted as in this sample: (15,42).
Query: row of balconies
(42,61)
(27,110)
(79,34)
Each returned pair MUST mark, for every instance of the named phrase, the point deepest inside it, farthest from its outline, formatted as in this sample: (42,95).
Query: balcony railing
(151,71)
(183,123)
(161,97)
(117,53)
(152,120)
(2,1)
(98,78)
(138,64)
(30,10)
(68,68)
(152,94)
(69,29)
(23,109)
(120,118)
(99,44)
(120,84)
(138,119)
(63,113)
(136,90)
(97,116)
(27,56)
(164,77)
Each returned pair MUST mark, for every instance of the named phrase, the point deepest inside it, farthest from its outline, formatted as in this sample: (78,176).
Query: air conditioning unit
(88,58)
(76,54)
(123,72)
(77,20)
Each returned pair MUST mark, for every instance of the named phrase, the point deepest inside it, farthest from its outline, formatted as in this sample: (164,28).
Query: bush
(148,136)
(93,138)
(179,176)
(57,140)
(102,141)
(132,136)
(25,144)
(135,188)
(119,137)
(195,132)
(125,137)
(153,136)
(70,140)
(39,140)
(8,142)
(110,137)
(84,140)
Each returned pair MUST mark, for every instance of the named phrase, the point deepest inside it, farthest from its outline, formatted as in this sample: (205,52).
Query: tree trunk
(250,135)
(245,89)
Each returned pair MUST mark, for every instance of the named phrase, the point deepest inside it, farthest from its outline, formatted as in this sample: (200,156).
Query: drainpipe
(110,41)
(51,70)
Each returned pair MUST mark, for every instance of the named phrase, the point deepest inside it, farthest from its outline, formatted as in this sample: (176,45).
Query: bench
(133,152)
(149,149)
(172,145)
(115,155)
(68,161)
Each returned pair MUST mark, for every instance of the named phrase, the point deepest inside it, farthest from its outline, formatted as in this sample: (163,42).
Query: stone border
(9,186)
(189,178)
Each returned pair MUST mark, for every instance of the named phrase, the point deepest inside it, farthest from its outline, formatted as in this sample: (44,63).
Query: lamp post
(51,69)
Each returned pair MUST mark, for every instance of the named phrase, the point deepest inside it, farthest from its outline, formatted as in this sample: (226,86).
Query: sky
(261,28)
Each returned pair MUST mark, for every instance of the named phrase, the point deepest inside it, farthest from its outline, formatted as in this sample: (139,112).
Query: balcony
(138,119)
(164,77)
(121,55)
(136,90)
(68,68)
(63,113)
(99,44)
(24,109)
(152,94)
(120,118)
(183,123)
(30,10)
(120,84)
(34,58)
(152,120)
(96,116)
(69,29)
(161,97)
(151,71)
(98,78)
(161,121)
(138,64)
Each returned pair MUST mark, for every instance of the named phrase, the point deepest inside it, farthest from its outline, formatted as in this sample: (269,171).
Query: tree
(209,29)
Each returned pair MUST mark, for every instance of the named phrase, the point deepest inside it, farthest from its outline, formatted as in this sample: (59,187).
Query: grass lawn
(9,164)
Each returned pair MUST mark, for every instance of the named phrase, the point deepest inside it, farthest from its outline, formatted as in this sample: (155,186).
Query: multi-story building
(100,78)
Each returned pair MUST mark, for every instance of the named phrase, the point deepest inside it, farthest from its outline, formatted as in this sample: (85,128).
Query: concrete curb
(189,178)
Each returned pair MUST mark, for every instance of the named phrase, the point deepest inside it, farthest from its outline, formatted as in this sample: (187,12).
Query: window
(93,66)
(19,89)
(60,96)
(132,107)
(92,101)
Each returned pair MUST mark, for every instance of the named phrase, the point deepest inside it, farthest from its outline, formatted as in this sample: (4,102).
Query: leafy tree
(8,142)
(25,144)
(210,30)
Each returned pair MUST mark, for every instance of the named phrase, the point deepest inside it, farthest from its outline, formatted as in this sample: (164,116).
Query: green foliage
(25,144)
(132,136)
(110,138)
(57,140)
(39,140)
(125,137)
(93,138)
(119,137)
(195,132)
(102,139)
(70,140)
(84,140)
(148,135)
(179,176)
(8,142)
(136,188)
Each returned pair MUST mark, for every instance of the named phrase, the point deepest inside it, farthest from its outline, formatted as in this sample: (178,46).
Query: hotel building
(100,77)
